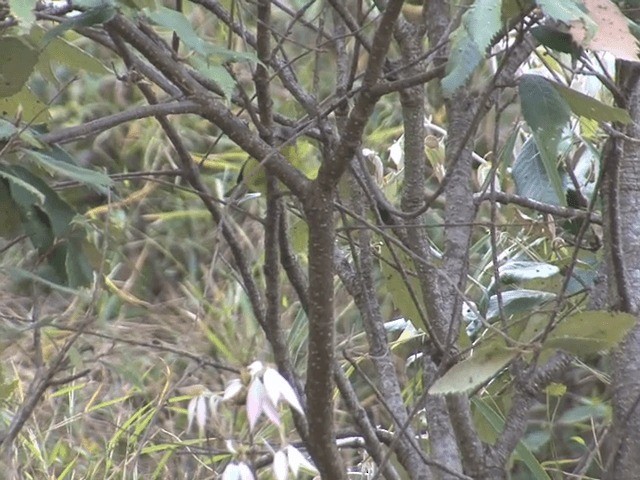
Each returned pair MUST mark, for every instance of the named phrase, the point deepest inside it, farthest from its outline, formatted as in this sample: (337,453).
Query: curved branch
(95,127)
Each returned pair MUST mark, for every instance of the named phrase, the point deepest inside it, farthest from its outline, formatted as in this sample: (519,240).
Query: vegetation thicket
(313,238)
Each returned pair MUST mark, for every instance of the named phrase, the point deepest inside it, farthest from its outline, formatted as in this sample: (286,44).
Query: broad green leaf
(496,420)
(37,227)
(589,107)
(20,274)
(217,73)
(138,4)
(517,301)
(86,4)
(6,389)
(514,8)
(587,333)
(543,108)
(17,60)
(78,271)
(23,192)
(484,363)
(483,22)
(60,51)
(518,271)
(299,232)
(28,192)
(583,413)
(395,285)
(565,11)
(10,219)
(536,323)
(464,58)
(176,21)
(31,108)
(530,176)
(556,40)
(96,15)
(547,113)
(23,10)
(7,130)
(74,172)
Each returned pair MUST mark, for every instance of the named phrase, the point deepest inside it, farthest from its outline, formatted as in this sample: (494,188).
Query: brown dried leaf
(612,34)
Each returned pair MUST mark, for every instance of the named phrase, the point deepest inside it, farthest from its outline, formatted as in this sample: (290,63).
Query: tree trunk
(621,161)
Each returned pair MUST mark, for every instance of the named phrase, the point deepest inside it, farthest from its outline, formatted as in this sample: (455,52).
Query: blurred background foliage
(104,227)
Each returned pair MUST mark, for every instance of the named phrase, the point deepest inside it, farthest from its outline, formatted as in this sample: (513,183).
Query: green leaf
(31,108)
(515,8)
(28,192)
(137,4)
(101,13)
(589,107)
(517,301)
(543,107)
(6,389)
(484,363)
(46,160)
(23,10)
(398,288)
(10,219)
(60,51)
(483,22)
(21,191)
(7,130)
(586,333)
(464,58)
(176,21)
(519,271)
(547,113)
(583,413)
(565,11)
(556,40)
(522,452)
(17,60)
(37,227)
(78,271)
(530,176)
(217,73)
(20,274)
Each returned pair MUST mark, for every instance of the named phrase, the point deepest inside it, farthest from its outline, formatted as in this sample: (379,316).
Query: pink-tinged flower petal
(201,412)
(298,461)
(270,411)
(231,472)
(277,387)
(255,368)
(273,384)
(280,464)
(233,388)
(191,412)
(255,400)
(230,446)
(245,472)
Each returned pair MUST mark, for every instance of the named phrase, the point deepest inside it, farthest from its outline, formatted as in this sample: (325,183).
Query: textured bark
(319,388)
(622,226)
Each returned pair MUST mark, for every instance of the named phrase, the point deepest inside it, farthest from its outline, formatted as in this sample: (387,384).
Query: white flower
(266,390)
(258,402)
(291,459)
(234,387)
(237,471)
(197,410)
(278,388)
(280,465)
